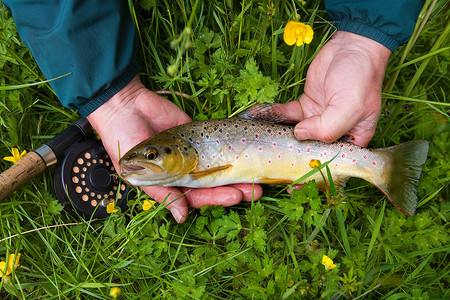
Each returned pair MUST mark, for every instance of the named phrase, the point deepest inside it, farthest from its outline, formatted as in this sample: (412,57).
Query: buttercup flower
(315,163)
(114,292)
(297,33)
(11,265)
(328,263)
(148,204)
(111,208)
(16,155)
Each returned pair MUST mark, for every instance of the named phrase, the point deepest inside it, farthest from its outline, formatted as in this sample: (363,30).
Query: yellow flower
(299,33)
(315,163)
(148,204)
(328,263)
(111,208)
(16,155)
(11,265)
(114,292)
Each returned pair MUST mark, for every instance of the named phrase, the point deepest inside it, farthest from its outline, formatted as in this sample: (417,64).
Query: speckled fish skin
(220,152)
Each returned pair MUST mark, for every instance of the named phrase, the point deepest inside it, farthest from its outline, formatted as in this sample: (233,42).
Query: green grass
(268,249)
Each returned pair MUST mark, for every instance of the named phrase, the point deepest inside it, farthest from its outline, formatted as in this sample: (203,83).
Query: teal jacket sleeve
(93,40)
(389,22)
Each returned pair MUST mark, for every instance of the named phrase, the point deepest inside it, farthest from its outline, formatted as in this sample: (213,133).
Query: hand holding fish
(342,91)
(135,114)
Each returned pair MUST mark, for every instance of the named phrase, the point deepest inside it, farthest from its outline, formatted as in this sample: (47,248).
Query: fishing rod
(84,178)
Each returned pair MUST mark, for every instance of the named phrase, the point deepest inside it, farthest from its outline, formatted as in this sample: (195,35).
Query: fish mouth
(130,169)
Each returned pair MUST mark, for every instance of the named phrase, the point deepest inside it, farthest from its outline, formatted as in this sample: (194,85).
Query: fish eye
(151,155)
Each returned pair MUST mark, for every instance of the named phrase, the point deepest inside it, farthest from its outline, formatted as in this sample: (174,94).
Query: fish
(255,147)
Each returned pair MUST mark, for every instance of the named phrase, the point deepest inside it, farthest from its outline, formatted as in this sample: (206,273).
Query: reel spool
(86,180)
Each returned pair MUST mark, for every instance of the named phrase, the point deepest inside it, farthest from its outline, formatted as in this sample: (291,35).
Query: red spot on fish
(291,147)
(269,161)
(343,155)
(374,163)
(243,140)
(324,153)
(203,157)
(279,156)
(207,166)
(321,155)
(279,133)
(365,156)
(298,151)
(354,160)
(217,141)
(259,149)
(274,144)
(214,156)
(246,155)
(227,135)
(237,157)
(308,150)
(292,164)
(351,149)
(198,143)
(221,155)
(256,136)
(229,147)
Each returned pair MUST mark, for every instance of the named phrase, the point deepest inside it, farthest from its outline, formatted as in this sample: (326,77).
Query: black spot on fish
(269,131)
(245,128)
(168,150)
(236,126)
(201,133)
(176,145)
(207,137)
(185,148)
(220,130)
(182,135)
(190,140)
(192,131)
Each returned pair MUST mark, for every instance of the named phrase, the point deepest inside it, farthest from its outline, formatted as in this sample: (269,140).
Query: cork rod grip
(29,166)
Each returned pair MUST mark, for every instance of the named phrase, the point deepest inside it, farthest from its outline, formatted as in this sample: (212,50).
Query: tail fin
(401,186)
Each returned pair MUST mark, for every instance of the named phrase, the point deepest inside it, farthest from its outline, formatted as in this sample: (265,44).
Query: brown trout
(237,150)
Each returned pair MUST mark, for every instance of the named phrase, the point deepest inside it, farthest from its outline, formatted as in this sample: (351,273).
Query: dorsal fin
(263,112)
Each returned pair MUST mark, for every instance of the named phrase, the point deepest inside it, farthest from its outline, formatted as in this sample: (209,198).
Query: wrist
(351,41)
(121,101)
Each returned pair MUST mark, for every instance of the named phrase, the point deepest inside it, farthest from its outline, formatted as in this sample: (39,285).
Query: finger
(164,195)
(249,192)
(222,195)
(291,110)
(329,126)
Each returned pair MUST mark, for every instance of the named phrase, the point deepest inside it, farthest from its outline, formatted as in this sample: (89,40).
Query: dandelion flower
(10,265)
(297,33)
(315,163)
(16,155)
(111,208)
(148,204)
(328,263)
(114,292)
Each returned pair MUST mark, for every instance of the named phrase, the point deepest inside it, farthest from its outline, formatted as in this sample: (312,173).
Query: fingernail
(176,214)
(302,134)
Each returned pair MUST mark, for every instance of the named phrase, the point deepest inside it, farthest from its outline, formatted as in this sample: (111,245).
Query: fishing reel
(85,180)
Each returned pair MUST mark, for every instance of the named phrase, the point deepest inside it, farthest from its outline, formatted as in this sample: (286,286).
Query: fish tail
(400,184)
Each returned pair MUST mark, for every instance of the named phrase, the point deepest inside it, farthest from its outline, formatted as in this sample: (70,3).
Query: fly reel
(86,180)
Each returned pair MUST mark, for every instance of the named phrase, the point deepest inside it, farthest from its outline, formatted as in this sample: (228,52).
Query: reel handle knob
(29,166)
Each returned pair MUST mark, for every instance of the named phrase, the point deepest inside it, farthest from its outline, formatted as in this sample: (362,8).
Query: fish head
(160,160)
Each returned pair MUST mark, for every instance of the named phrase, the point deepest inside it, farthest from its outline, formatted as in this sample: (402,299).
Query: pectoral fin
(203,173)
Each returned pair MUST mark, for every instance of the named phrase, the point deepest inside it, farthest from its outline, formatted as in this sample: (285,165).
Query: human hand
(342,91)
(135,114)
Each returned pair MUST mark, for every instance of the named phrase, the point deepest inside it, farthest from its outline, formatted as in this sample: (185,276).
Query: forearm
(93,41)
(389,22)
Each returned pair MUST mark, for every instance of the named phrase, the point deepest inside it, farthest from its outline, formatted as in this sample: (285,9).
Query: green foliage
(228,55)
